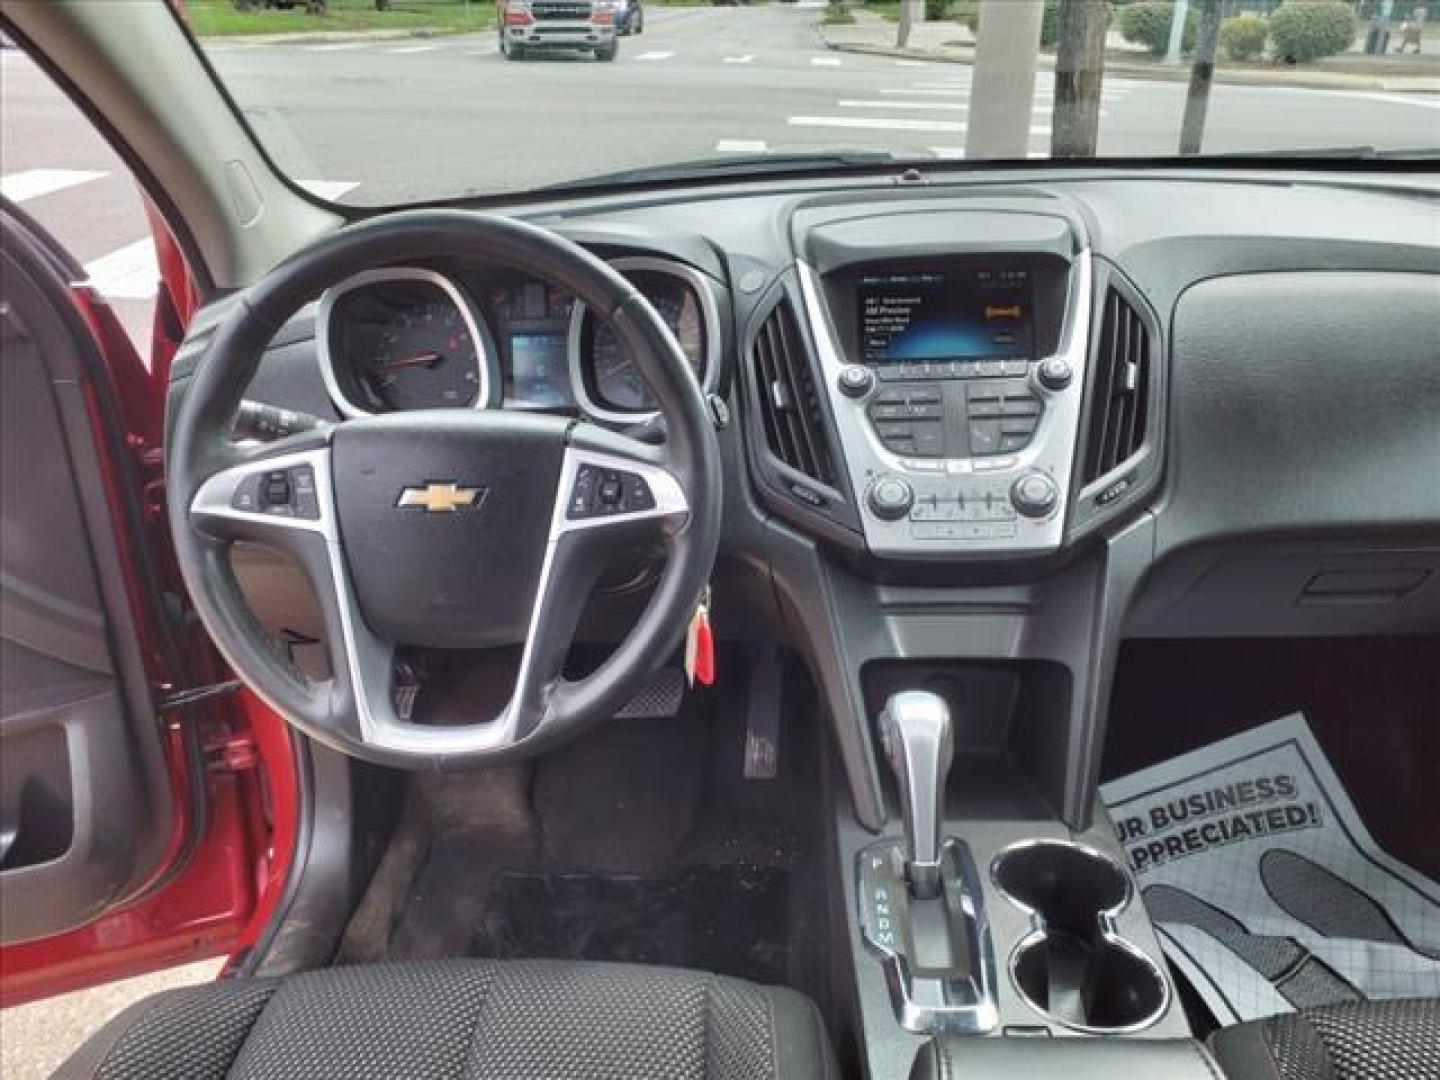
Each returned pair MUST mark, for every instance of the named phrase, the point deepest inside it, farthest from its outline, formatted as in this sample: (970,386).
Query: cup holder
(1074,967)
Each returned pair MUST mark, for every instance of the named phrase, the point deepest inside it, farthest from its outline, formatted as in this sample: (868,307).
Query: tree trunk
(1202,74)
(1079,75)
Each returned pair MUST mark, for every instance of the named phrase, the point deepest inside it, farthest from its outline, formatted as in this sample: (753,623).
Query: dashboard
(411,337)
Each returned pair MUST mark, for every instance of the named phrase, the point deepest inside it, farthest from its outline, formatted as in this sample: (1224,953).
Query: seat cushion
(457,1019)
(1362,1040)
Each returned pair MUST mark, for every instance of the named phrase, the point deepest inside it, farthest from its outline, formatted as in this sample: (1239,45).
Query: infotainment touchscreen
(955,313)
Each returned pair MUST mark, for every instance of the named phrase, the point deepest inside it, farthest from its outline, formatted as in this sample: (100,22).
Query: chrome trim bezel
(699,284)
(486,356)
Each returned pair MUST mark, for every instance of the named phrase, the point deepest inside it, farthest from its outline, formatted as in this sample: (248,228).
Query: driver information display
(955,314)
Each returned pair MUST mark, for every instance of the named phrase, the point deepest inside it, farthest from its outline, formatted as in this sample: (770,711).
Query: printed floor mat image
(1267,890)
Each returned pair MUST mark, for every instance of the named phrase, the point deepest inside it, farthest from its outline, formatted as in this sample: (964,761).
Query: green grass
(218,18)
(836,15)
(886,9)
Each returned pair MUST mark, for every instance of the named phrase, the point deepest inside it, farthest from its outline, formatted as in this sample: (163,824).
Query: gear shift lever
(915,731)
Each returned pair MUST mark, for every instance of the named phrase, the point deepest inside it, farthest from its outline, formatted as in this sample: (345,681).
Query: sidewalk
(950,42)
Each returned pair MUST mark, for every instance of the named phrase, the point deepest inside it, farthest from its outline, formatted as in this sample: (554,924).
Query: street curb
(1312,81)
(335,37)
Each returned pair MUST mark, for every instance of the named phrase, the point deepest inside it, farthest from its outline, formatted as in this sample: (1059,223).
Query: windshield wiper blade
(1339,153)
(730,165)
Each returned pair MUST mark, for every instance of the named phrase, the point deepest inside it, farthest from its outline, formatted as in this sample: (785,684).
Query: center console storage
(1074,967)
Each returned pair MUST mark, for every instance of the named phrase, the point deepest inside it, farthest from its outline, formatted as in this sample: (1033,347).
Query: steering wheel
(444,528)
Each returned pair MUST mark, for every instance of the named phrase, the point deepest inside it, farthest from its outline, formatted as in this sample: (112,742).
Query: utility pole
(1177,32)
(1002,88)
(1079,76)
(1202,75)
(907,20)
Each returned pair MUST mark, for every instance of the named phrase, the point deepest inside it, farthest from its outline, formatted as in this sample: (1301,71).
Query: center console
(954,378)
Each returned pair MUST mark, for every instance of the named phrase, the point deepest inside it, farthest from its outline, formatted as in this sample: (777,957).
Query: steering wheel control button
(279,493)
(891,498)
(1054,373)
(605,492)
(1034,495)
(856,381)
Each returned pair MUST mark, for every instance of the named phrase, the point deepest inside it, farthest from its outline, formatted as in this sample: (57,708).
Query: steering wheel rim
(209,476)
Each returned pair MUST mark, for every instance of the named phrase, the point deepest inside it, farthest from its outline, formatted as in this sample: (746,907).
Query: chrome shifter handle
(915,730)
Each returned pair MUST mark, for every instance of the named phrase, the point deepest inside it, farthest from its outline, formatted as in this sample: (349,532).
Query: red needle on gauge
(424,359)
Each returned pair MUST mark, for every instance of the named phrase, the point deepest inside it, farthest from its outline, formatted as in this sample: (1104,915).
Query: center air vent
(1120,406)
(789,402)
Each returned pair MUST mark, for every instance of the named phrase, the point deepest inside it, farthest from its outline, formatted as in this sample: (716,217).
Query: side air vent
(1122,388)
(789,400)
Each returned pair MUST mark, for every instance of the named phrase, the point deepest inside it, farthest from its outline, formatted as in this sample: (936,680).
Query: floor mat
(1267,890)
(731,920)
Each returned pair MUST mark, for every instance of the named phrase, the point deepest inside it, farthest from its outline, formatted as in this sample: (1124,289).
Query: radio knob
(856,381)
(1054,373)
(1034,494)
(891,498)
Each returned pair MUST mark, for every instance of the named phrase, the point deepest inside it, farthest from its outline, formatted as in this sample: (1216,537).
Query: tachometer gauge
(403,338)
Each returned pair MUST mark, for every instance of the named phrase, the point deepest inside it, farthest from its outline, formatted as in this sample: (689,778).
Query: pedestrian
(1413,28)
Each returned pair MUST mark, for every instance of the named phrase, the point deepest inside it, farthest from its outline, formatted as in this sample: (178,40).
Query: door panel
(86,806)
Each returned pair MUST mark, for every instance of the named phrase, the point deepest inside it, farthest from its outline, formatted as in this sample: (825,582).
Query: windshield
(385,102)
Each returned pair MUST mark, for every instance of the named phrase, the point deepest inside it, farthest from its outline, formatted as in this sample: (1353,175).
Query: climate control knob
(1034,495)
(855,381)
(891,498)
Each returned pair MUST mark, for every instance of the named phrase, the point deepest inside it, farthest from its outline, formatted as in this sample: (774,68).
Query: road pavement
(407,120)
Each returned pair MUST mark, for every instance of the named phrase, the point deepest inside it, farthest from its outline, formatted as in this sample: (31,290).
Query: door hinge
(232,753)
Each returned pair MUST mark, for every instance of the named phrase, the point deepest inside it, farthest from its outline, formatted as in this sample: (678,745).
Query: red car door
(147,805)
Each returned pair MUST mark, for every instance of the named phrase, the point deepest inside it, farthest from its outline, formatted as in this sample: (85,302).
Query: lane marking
(948,153)
(336,46)
(911,63)
(32,183)
(329,189)
(409,49)
(890,104)
(876,123)
(825,61)
(655,56)
(739,59)
(128,273)
(935,91)
(741,146)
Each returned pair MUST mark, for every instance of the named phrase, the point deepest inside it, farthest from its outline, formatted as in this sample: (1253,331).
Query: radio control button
(1054,373)
(984,437)
(1034,495)
(856,381)
(891,498)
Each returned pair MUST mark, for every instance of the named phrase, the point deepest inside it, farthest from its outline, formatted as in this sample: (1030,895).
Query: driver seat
(454,1019)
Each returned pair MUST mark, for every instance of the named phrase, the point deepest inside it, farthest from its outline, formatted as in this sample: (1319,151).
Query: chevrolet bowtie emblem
(441,498)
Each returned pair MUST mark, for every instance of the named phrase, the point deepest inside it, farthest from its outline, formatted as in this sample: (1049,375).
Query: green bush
(935,10)
(968,12)
(1243,37)
(1148,23)
(1304,30)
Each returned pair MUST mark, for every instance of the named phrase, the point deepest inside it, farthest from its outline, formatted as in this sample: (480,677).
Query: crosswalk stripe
(948,91)
(128,273)
(407,50)
(852,104)
(911,63)
(897,123)
(825,61)
(655,56)
(739,59)
(741,146)
(948,153)
(31,184)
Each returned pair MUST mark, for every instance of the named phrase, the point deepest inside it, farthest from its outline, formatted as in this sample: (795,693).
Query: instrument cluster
(402,338)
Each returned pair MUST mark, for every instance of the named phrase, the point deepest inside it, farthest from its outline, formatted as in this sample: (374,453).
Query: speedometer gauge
(424,358)
(613,386)
(403,338)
